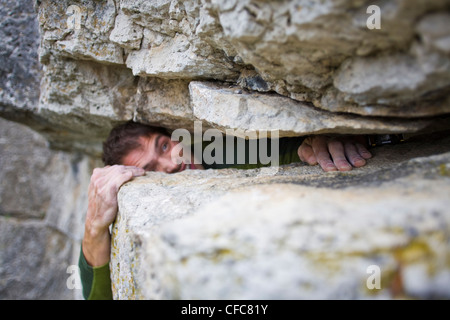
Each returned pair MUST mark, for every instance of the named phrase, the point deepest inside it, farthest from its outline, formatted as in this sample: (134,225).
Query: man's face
(154,154)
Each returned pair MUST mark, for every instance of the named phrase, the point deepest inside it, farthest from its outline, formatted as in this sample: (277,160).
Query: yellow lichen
(444,170)
(415,251)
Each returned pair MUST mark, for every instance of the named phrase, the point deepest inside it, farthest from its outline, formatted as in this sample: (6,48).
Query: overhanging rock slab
(378,232)
(247,112)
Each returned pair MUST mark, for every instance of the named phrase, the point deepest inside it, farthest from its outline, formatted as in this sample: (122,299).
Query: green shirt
(96,281)
(251,154)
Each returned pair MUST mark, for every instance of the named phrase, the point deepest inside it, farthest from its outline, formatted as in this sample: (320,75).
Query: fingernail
(367,154)
(359,162)
(330,167)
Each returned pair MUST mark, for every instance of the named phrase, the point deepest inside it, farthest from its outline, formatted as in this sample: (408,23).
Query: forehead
(142,155)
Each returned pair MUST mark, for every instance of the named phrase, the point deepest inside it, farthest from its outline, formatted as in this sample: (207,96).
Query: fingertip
(329,169)
(341,166)
(328,166)
(359,162)
(139,173)
(128,174)
(136,171)
(312,160)
(366,154)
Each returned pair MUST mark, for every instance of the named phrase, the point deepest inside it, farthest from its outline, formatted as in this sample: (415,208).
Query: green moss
(444,170)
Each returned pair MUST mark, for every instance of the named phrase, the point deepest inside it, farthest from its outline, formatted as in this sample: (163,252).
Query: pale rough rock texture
(71,70)
(42,191)
(245,112)
(43,199)
(19,69)
(112,61)
(293,234)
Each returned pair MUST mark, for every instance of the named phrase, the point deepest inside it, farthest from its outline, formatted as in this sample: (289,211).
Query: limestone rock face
(112,61)
(231,108)
(19,68)
(43,201)
(381,231)
(72,69)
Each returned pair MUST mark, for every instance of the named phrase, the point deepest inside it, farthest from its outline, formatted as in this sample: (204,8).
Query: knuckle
(94,179)
(97,183)
(308,140)
(99,172)
(335,143)
(128,174)
(95,173)
(116,167)
(349,145)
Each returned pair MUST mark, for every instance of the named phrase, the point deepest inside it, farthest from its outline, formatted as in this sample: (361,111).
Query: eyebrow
(149,166)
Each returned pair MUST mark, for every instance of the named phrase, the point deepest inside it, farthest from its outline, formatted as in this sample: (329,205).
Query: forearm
(96,246)
(101,213)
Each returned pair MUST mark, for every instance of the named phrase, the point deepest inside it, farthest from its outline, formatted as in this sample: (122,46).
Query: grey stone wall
(377,232)
(43,199)
(70,70)
(42,190)
(109,61)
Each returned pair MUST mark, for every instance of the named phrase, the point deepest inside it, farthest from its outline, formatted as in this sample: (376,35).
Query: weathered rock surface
(131,59)
(19,68)
(246,112)
(71,70)
(43,199)
(295,234)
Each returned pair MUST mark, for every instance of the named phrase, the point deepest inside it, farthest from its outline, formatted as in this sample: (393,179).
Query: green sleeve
(287,152)
(96,281)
